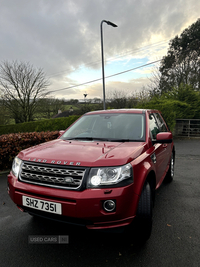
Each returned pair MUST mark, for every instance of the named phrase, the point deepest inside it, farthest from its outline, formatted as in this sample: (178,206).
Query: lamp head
(111,23)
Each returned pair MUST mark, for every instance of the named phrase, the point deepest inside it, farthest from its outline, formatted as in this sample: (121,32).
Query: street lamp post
(102,58)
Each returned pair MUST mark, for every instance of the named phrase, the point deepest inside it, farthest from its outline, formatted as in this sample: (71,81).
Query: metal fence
(187,128)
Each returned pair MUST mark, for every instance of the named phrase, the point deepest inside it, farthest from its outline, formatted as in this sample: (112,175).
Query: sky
(63,38)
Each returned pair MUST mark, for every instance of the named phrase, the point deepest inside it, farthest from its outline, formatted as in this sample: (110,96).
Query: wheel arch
(144,172)
(151,179)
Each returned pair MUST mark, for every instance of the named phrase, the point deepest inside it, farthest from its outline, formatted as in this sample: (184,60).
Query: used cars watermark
(48,239)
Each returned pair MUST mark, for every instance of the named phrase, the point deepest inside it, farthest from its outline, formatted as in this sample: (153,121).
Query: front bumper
(80,207)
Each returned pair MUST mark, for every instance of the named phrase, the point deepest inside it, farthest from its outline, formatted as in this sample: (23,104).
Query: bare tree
(4,114)
(21,87)
(117,99)
(153,88)
(122,99)
(47,107)
(143,96)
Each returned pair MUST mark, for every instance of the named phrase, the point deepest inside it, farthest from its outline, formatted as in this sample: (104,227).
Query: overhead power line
(129,52)
(96,80)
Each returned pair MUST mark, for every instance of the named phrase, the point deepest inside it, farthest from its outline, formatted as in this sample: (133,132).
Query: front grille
(53,176)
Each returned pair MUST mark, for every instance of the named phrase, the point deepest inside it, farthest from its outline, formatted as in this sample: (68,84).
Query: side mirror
(61,132)
(164,137)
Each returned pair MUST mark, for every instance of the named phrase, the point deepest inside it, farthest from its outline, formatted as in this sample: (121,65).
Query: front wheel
(140,229)
(144,214)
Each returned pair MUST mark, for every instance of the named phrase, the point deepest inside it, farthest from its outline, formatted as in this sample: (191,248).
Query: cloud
(60,36)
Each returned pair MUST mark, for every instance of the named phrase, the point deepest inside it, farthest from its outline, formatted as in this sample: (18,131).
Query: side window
(161,123)
(154,128)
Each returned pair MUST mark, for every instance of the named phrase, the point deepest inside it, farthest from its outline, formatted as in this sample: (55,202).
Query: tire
(144,214)
(170,173)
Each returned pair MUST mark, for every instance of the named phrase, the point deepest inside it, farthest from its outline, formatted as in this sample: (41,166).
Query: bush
(39,126)
(12,144)
(170,109)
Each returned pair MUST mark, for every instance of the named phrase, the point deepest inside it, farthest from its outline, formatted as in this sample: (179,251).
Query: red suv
(102,172)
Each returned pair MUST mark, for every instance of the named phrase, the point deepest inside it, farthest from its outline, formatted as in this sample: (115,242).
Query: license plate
(43,205)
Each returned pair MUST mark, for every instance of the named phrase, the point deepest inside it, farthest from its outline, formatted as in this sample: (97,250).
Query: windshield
(110,127)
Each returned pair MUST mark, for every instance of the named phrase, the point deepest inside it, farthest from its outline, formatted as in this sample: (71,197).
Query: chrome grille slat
(46,175)
(52,170)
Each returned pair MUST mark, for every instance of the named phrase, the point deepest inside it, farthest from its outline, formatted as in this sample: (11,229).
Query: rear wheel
(170,174)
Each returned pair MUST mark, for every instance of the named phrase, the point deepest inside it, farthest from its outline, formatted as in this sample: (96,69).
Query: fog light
(109,205)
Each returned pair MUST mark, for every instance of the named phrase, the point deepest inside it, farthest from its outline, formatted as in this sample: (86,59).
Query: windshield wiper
(123,140)
(101,139)
(81,138)
(89,138)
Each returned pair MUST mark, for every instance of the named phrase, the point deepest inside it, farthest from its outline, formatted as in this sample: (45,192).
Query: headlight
(109,175)
(16,166)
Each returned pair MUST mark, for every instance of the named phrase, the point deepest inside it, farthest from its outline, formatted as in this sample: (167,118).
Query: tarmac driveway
(174,241)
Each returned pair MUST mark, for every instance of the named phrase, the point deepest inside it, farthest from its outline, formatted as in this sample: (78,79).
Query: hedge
(170,110)
(39,126)
(12,144)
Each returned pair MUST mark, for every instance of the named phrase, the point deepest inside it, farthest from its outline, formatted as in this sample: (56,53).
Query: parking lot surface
(174,241)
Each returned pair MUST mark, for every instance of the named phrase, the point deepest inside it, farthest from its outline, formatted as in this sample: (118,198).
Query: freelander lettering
(56,162)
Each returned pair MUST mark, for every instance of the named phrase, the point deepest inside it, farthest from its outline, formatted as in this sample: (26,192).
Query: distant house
(65,113)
